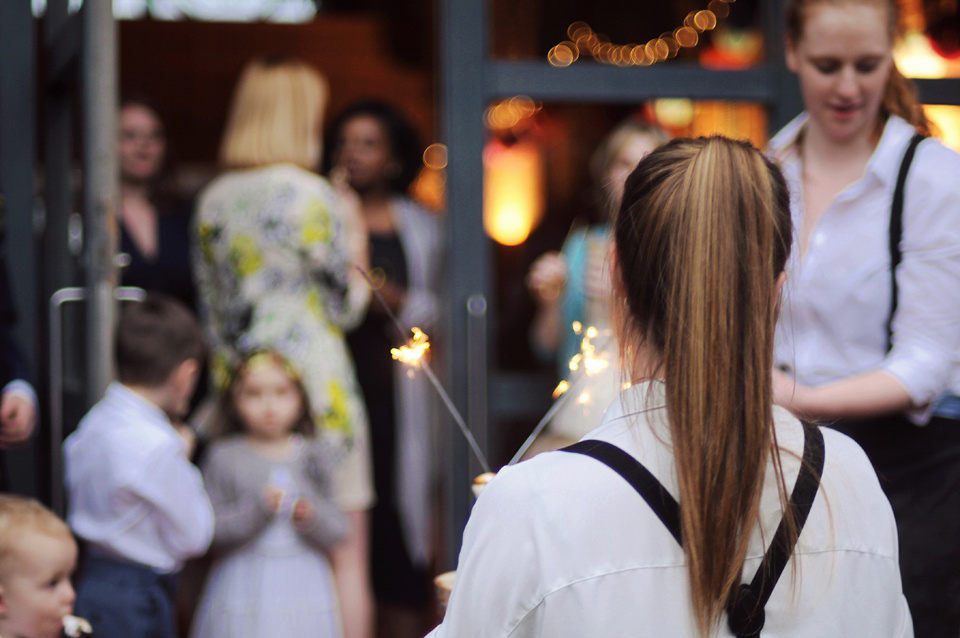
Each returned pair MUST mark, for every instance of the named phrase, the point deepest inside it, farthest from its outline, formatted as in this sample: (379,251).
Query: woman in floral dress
(277,268)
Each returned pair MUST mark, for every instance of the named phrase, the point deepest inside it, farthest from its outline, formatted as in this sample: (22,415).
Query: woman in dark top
(154,222)
(376,150)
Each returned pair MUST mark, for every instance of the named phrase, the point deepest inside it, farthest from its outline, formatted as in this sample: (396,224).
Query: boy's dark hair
(153,337)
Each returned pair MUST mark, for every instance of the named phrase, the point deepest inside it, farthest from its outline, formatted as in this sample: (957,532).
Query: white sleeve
(496,582)
(174,488)
(926,329)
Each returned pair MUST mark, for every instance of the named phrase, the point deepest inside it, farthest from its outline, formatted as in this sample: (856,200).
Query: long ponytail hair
(701,237)
(900,95)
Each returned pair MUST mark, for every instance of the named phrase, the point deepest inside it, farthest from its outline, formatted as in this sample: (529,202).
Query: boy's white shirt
(133,494)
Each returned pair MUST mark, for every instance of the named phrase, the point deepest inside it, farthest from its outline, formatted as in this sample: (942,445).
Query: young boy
(134,498)
(37,557)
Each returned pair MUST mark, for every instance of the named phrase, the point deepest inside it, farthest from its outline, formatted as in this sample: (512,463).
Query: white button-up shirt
(133,494)
(836,300)
(562,546)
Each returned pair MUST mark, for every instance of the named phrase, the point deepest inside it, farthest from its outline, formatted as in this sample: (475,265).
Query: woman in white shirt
(562,546)
(851,349)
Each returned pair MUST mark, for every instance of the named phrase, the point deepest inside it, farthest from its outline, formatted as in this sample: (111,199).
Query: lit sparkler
(412,354)
(592,365)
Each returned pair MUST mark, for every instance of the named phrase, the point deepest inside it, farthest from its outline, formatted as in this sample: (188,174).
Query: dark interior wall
(189,70)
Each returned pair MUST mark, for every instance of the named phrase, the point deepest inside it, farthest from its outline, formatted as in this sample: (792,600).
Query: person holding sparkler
(697,507)
(571,289)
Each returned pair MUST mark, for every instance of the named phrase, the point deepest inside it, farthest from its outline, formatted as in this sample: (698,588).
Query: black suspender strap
(745,613)
(896,229)
(653,492)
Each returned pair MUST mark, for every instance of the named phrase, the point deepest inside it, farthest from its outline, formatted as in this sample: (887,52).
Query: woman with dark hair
(375,148)
(154,219)
(728,515)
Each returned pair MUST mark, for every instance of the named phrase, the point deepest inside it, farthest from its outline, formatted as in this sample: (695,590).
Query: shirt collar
(884,163)
(783,146)
(124,397)
(639,399)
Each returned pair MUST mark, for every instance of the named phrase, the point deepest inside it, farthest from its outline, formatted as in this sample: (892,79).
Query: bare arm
(864,395)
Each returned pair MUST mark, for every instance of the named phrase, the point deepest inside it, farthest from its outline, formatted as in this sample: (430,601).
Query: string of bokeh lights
(585,41)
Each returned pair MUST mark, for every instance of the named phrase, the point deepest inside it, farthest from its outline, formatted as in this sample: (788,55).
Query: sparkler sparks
(592,363)
(412,352)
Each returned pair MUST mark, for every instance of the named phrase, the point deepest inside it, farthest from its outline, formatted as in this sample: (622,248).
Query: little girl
(268,480)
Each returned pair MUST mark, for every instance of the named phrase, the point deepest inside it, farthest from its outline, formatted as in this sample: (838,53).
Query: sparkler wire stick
(557,404)
(448,403)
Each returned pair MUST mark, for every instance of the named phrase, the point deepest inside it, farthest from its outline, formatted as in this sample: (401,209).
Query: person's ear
(3,603)
(790,53)
(781,279)
(616,281)
(186,373)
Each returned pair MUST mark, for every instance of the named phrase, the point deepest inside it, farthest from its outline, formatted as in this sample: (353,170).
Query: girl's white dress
(269,579)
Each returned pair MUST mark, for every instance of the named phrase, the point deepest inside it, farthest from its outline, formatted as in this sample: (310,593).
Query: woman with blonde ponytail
(696,508)
(869,336)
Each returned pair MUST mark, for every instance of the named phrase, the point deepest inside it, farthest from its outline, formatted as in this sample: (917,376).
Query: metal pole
(463,57)
(101,190)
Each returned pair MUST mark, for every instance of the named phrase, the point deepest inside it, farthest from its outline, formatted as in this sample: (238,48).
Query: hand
(303,513)
(547,278)
(18,416)
(273,497)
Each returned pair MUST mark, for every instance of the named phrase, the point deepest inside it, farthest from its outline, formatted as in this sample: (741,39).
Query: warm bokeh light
(673,113)
(563,54)
(686,36)
(562,387)
(435,156)
(946,120)
(705,20)
(732,119)
(507,114)
(720,8)
(915,57)
(512,191)
(584,41)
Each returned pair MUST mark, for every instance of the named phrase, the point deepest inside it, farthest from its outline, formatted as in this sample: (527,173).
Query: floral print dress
(273,266)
